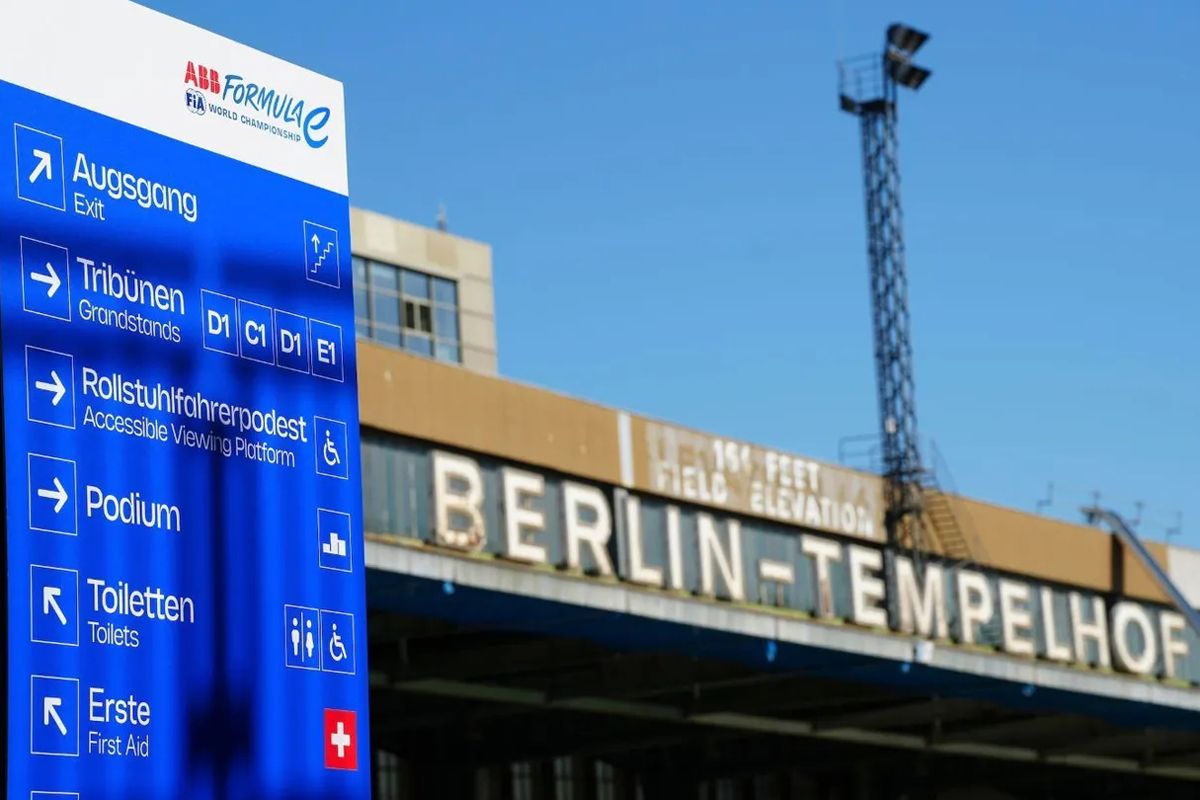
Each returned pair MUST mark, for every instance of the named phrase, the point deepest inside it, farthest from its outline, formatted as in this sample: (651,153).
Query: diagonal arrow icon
(50,595)
(50,706)
(54,386)
(58,494)
(49,277)
(43,166)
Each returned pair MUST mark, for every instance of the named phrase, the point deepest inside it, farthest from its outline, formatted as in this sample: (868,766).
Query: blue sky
(675,208)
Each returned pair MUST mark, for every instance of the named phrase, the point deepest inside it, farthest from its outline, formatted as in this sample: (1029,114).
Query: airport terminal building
(573,602)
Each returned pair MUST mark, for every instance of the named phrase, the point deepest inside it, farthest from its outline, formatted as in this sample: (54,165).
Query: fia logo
(195,102)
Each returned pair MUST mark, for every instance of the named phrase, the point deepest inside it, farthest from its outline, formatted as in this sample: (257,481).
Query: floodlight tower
(868,89)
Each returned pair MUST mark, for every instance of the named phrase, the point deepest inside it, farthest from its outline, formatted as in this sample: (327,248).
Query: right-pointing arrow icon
(49,277)
(50,595)
(43,166)
(58,494)
(50,706)
(54,386)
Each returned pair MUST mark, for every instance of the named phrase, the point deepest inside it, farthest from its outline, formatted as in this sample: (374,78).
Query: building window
(767,787)
(408,309)
(522,781)
(606,784)
(387,775)
(564,779)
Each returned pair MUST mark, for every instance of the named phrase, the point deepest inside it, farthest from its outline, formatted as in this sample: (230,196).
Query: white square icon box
(53,716)
(36,795)
(45,279)
(337,642)
(50,387)
(325,346)
(219,313)
(53,605)
(39,160)
(333,541)
(331,444)
(256,335)
(52,493)
(302,637)
(322,259)
(291,341)
(318,640)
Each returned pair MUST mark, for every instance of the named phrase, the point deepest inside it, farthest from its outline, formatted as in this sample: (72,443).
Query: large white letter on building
(974,604)
(1055,650)
(866,587)
(1125,615)
(923,609)
(639,570)
(1171,626)
(1016,620)
(452,509)
(522,523)
(729,564)
(593,534)
(822,551)
(1096,629)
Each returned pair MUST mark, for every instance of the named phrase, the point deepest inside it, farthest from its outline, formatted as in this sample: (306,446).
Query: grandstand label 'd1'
(184,572)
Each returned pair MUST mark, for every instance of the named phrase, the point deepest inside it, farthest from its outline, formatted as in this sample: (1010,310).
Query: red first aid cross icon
(341,739)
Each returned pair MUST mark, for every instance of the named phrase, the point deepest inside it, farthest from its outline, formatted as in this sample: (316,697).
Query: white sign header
(179,81)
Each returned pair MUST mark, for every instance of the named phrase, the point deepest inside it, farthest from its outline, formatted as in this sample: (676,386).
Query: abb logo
(203,77)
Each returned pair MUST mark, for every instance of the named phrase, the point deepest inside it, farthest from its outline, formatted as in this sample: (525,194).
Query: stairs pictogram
(321,259)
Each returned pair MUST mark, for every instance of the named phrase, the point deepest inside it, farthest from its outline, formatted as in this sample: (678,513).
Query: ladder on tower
(949,528)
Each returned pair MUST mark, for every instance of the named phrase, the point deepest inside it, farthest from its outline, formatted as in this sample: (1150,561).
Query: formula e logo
(263,106)
(204,78)
(195,102)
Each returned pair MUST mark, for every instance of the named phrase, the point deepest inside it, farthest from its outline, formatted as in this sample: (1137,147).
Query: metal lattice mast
(869,90)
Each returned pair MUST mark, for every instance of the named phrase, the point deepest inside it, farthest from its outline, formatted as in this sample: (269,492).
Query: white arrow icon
(57,494)
(50,595)
(50,706)
(49,277)
(54,386)
(316,242)
(43,166)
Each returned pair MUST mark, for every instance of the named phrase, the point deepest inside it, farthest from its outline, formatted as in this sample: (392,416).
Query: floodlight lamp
(905,39)
(907,74)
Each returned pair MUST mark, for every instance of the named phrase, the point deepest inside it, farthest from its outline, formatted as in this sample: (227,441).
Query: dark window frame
(417,329)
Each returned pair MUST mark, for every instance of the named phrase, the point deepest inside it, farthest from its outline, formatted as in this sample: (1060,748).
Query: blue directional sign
(185,587)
